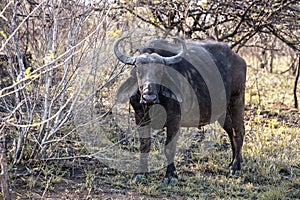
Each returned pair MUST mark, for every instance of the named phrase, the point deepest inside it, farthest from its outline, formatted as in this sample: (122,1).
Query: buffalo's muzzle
(149,99)
(149,94)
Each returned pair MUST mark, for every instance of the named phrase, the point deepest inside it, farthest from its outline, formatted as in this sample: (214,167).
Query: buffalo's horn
(177,58)
(123,58)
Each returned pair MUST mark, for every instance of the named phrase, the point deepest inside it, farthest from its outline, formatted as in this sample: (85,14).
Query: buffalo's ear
(126,90)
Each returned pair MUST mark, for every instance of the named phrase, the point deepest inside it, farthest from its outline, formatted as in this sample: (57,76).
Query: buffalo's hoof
(170,181)
(170,178)
(235,172)
(137,178)
(235,168)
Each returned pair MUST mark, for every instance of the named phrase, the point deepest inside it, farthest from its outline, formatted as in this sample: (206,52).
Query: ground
(271,167)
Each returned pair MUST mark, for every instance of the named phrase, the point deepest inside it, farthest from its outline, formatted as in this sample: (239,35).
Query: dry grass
(271,167)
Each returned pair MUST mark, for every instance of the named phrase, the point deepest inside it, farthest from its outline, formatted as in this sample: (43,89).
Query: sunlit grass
(271,167)
(271,156)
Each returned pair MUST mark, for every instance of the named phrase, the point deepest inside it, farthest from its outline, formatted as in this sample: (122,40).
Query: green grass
(271,166)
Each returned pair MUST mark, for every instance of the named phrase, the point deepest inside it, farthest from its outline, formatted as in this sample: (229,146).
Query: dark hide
(224,104)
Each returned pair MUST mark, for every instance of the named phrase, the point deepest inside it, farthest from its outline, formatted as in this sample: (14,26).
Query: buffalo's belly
(199,117)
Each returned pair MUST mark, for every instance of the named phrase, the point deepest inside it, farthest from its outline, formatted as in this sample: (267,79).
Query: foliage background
(56,61)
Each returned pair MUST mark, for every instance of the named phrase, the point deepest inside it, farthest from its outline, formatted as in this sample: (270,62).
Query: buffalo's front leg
(143,121)
(145,144)
(170,150)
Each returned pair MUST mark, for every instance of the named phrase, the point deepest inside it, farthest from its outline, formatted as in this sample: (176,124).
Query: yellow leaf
(27,71)
(29,87)
(49,57)
(51,54)
(153,20)
(34,76)
(114,33)
(203,3)
(3,34)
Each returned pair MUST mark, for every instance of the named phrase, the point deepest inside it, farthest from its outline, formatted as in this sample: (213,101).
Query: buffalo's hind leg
(234,126)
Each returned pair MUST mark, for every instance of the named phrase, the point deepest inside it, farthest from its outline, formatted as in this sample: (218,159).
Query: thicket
(56,60)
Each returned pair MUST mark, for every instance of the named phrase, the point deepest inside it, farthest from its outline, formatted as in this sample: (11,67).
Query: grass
(271,167)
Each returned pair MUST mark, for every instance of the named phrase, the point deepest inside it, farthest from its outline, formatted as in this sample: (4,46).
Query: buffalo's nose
(149,99)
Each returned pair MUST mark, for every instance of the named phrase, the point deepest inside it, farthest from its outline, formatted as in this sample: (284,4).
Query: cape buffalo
(196,83)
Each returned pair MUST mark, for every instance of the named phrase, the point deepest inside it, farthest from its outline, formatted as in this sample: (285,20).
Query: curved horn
(122,57)
(177,58)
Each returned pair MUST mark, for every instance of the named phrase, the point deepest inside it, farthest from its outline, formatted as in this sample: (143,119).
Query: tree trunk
(296,84)
(272,55)
(3,165)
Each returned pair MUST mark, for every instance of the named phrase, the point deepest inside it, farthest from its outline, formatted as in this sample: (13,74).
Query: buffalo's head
(149,70)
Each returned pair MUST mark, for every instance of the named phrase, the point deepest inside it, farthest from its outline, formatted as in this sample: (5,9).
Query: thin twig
(21,24)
